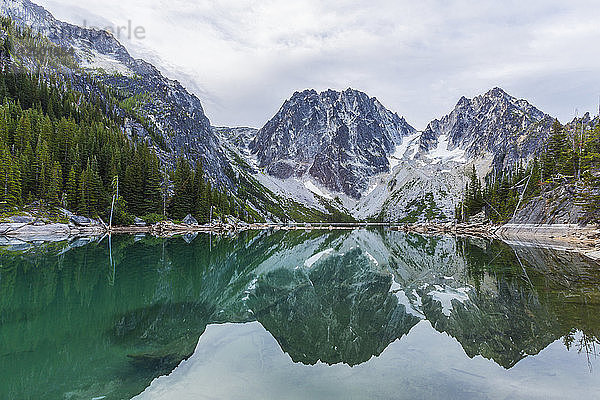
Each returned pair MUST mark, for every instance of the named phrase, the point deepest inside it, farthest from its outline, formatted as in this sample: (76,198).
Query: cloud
(244,57)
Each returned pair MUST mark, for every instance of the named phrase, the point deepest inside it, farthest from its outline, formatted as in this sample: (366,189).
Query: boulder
(22,219)
(478,218)
(6,228)
(139,222)
(44,233)
(189,220)
(81,221)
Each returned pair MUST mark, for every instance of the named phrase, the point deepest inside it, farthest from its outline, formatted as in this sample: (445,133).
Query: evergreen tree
(71,190)
(10,195)
(183,198)
(54,193)
(152,193)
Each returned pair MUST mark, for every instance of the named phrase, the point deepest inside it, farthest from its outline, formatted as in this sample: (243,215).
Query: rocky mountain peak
(339,139)
(27,12)
(494,123)
(497,93)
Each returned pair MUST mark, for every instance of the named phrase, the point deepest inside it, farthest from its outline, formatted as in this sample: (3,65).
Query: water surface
(352,314)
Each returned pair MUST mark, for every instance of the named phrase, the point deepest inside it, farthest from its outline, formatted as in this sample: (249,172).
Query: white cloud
(244,57)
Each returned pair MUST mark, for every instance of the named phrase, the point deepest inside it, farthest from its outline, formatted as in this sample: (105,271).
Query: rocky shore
(29,229)
(571,237)
(584,239)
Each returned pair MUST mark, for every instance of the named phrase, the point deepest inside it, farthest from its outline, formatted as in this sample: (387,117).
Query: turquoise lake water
(364,314)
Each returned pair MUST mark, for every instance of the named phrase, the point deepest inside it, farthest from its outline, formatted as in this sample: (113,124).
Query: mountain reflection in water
(76,325)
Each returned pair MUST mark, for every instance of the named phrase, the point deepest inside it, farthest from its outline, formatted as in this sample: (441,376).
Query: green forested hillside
(64,149)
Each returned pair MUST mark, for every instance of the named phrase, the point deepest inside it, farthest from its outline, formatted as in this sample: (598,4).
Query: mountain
(337,139)
(347,149)
(491,132)
(494,123)
(155,108)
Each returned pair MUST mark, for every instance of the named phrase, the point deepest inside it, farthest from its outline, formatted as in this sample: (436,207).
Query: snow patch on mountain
(316,190)
(93,60)
(442,152)
(400,152)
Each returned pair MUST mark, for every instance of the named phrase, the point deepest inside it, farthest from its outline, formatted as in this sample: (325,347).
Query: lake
(362,314)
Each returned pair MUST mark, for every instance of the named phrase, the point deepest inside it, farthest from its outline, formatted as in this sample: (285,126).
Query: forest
(60,149)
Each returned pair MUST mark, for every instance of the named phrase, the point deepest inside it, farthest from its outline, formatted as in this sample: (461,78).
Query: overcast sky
(244,58)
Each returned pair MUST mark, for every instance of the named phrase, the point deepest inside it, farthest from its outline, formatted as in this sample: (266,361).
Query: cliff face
(562,205)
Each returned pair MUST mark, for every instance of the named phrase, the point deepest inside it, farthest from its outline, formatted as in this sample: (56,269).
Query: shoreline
(585,240)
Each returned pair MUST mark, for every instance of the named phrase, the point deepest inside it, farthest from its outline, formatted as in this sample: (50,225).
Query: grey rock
(81,221)
(231,220)
(139,222)
(22,219)
(189,220)
(557,206)
(8,227)
(44,233)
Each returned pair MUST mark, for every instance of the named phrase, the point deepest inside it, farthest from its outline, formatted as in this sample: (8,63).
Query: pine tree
(54,193)
(23,133)
(152,194)
(41,168)
(183,198)
(96,190)
(557,155)
(83,193)
(200,207)
(10,176)
(71,190)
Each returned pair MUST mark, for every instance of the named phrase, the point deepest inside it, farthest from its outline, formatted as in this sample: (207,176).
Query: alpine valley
(334,155)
